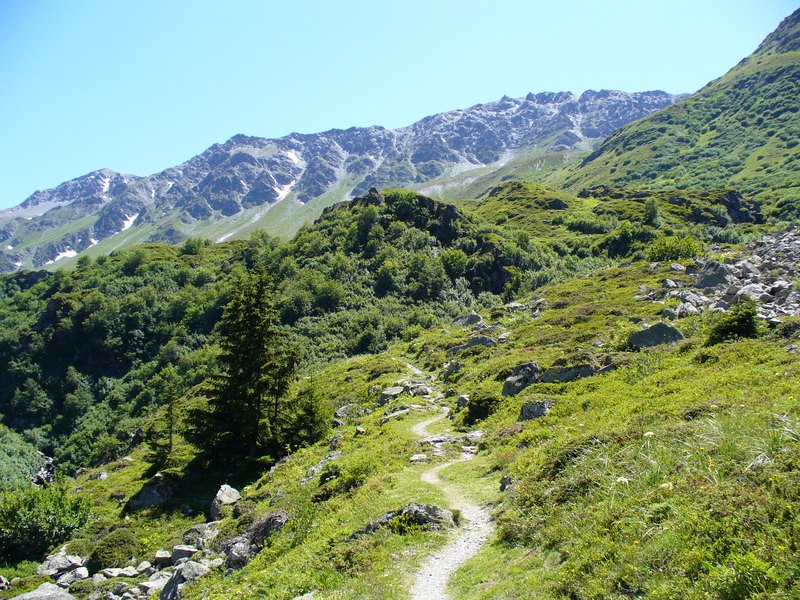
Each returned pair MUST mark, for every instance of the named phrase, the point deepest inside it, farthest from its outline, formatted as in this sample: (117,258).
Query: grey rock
(450,368)
(395,414)
(712,275)
(155,583)
(660,333)
(5,584)
(129,572)
(514,306)
(428,516)
(475,340)
(143,566)
(566,374)
(193,570)
(415,388)
(308,596)
(335,442)
(46,591)
(163,558)
(669,313)
(503,337)
(70,577)
(534,410)
(98,578)
(505,482)
(56,564)
(226,495)
(201,535)
(183,551)
(419,458)
(317,468)
(677,268)
(686,310)
(360,431)
(521,377)
(349,411)
(390,394)
(670,283)
(101,476)
(472,318)
(240,549)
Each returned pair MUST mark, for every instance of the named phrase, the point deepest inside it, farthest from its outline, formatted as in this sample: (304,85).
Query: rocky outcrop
(521,377)
(240,549)
(428,516)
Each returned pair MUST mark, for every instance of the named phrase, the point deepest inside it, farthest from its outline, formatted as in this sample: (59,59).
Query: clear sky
(141,85)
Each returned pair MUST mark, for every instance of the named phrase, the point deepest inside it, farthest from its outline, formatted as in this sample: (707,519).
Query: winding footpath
(430,582)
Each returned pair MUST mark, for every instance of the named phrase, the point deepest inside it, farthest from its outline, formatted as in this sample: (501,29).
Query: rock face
(658,334)
(225,496)
(250,174)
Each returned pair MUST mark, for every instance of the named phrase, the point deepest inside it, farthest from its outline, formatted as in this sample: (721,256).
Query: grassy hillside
(740,131)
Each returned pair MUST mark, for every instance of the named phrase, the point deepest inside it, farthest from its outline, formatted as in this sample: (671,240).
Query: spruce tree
(246,411)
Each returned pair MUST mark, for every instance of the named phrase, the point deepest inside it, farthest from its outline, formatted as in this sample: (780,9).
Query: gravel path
(430,582)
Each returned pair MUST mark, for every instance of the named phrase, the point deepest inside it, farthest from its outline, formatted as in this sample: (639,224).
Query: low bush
(34,520)
(741,321)
(114,550)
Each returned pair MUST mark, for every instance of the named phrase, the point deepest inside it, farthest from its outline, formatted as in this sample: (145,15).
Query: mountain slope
(278,184)
(739,131)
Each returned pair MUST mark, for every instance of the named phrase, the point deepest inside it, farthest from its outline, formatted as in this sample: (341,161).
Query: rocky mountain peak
(238,181)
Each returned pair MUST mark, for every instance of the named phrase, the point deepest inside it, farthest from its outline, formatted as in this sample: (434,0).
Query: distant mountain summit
(250,182)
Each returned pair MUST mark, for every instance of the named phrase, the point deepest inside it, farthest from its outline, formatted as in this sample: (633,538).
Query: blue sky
(138,86)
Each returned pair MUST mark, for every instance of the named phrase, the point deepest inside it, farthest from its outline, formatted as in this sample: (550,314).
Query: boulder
(472,318)
(183,551)
(226,495)
(565,374)
(46,591)
(521,377)
(70,577)
(475,340)
(419,458)
(416,388)
(56,564)
(390,394)
(660,333)
(163,558)
(505,482)
(686,309)
(143,566)
(534,410)
(156,583)
(240,549)
(428,516)
(712,274)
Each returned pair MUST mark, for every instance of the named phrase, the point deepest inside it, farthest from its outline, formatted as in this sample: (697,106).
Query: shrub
(116,549)
(480,406)
(34,520)
(674,248)
(741,321)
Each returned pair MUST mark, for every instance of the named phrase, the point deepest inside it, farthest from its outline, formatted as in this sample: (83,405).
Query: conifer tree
(247,409)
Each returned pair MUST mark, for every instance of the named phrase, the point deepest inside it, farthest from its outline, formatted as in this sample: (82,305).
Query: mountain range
(278,184)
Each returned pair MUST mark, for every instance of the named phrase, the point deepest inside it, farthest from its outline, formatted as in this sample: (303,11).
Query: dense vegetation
(83,353)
